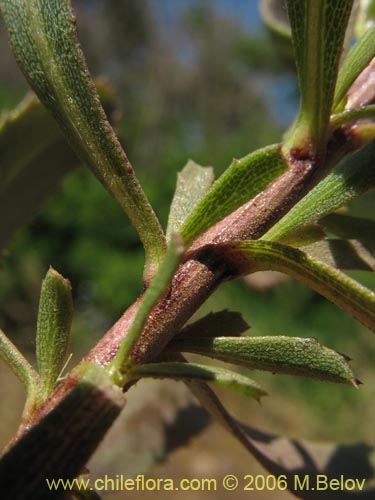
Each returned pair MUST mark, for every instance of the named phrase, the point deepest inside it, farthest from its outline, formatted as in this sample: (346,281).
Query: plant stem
(203,272)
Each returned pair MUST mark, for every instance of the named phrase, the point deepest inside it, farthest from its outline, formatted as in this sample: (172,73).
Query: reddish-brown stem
(202,273)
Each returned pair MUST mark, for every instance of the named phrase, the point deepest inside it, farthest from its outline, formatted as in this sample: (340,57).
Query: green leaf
(251,256)
(342,254)
(305,235)
(215,324)
(355,62)
(158,287)
(22,369)
(193,182)
(318,31)
(349,227)
(53,332)
(354,176)
(73,430)
(192,371)
(44,40)
(34,158)
(352,115)
(289,355)
(244,179)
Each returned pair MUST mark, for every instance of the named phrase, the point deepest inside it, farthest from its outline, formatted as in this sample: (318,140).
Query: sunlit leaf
(354,176)
(193,182)
(251,256)
(244,179)
(203,373)
(355,62)
(53,332)
(279,354)
(342,254)
(318,31)
(44,39)
(216,324)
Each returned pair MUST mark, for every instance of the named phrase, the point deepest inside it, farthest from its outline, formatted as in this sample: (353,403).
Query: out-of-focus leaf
(244,179)
(161,416)
(291,459)
(193,182)
(354,176)
(44,39)
(355,62)
(73,430)
(250,256)
(275,16)
(228,323)
(365,16)
(349,227)
(53,332)
(342,254)
(34,158)
(202,373)
(280,354)
(305,235)
(318,31)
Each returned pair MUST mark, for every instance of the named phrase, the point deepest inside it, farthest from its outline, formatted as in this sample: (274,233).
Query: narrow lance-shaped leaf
(355,62)
(251,256)
(193,182)
(215,324)
(349,227)
(73,430)
(244,179)
(53,332)
(318,31)
(157,288)
(354,176)
(43,37)
(193,371)
(342,254)
(279,354)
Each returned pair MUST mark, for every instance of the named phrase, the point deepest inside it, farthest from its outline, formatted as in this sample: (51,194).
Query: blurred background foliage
(192,79)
